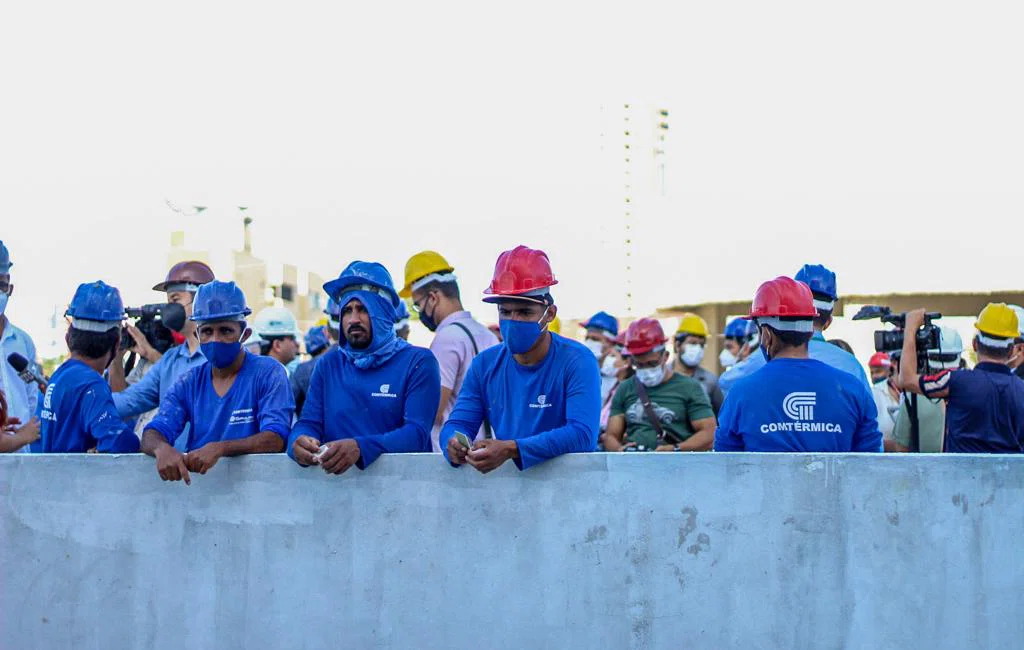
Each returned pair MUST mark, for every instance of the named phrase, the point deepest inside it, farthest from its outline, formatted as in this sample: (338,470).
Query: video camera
(927,338)
(155,322)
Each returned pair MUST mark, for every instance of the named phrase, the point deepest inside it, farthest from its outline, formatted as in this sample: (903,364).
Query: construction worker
(602,328)
(690,338)
(540,392)
(984,406)
(431,284)
(657,409)
(78,413)
(886,391)
(280,333)
(795,403)
(739,342)
(317,342)
(22,397)
(402,329)
(1016,362)
(333,321)
(143,398)
(930,413)
(236,403)
(373,394)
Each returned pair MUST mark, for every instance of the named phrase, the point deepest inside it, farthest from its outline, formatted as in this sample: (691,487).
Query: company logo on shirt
(541,403)
(241,416)
(385,391)
(800,406)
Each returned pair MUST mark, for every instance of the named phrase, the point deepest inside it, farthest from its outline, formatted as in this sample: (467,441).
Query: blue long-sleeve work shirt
(77,414)
(147,394)
(386,409)
(549,409)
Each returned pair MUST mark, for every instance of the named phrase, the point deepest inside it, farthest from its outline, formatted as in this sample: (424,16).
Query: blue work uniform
(388,408)
(549,409)
(799,405)
(984,410)
(258,400)
(78,414)
(300,383)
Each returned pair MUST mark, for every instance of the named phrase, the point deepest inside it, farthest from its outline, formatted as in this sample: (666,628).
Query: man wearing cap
(737,356)
(236,403)
(458,338)
(374,393)
(317,342)
(540,392)
(690,339)
(181,284)
(601,330)
(984,406)
(794,402)
(77,413)
(885,389)
(280,334)
(657,409)
(22,397)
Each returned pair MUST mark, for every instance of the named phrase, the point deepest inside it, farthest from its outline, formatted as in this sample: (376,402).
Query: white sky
(847,134)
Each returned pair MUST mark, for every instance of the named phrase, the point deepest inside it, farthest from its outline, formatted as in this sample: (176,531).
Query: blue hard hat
(740,328)
(219,301)
(821,280)
(364,276)
(402,312)
(316,339)
(602,320)
(333,310)
(5,259)
(97,302)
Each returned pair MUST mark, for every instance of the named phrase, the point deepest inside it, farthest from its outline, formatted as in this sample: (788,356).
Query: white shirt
(21,397)
(887,408)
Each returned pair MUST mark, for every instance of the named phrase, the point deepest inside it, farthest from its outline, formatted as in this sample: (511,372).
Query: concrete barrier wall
(589,551)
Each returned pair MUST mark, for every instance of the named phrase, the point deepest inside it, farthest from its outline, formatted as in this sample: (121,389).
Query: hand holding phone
(463,440)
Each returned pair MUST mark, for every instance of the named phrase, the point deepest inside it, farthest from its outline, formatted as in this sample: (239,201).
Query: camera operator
(930,413)
(984,406)
(181,285)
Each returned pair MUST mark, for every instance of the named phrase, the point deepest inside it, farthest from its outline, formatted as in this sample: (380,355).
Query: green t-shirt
(677,402)
(931,414)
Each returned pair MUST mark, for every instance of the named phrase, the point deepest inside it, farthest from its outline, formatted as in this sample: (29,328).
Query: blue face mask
(519,336)
(221,355)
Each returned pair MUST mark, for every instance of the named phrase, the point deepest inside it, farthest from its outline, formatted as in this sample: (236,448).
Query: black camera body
(155,322)
(926,338)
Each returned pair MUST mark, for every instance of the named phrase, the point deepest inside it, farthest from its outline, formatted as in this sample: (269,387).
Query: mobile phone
(463,440)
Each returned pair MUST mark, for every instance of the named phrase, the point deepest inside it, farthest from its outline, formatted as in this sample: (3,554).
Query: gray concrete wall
(591,551)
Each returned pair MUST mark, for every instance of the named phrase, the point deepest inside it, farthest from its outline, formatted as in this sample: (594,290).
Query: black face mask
(428,320)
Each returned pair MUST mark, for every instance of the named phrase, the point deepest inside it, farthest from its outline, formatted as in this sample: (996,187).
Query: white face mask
(692,355)
(594,346)
(608,368)
(651,377)
(3,303)
(727,358)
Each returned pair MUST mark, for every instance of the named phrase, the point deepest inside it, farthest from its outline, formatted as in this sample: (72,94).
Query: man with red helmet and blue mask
(372,394)
(794,402)
(540,392)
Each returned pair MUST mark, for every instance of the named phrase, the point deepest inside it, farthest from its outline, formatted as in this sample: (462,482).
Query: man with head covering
(374,393)
(22,396)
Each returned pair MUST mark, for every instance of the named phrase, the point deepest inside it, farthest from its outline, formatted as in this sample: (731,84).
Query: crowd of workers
(483,396)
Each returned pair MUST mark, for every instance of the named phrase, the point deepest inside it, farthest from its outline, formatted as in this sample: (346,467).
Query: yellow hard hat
(997,319)
(420,266)
(555,325)
(692,324)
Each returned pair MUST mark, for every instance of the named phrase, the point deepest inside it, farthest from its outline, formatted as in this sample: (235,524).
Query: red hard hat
(783,297)
(521,271)
(190,272)
(880,360)
(643,336)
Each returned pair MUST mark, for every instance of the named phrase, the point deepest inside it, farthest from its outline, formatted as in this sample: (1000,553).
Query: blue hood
(386,343)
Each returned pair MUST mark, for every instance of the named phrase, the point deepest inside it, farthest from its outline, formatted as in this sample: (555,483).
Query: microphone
(26,371)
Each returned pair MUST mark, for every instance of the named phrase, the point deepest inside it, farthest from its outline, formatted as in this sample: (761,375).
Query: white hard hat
(948,353)
(1017,309)
(275,321)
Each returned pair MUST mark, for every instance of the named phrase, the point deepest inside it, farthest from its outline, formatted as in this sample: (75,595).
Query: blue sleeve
(275,403)
(582,417)
(727,435)
(311,420)
(144,395)
(867,437)
(422,395)
(469,411)
(174,411)
(103,423)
